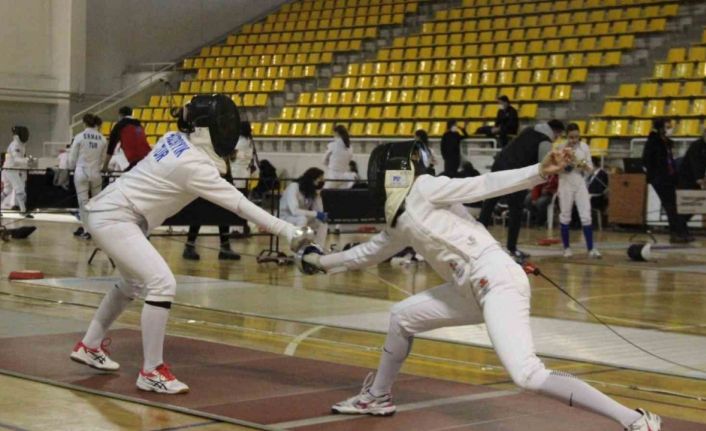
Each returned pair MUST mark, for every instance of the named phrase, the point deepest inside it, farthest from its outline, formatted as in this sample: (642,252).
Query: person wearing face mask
(181,167)
(301,204)
(527,148)
(451,148)
(573,190)
(658,159)
(337,158)
(507,123)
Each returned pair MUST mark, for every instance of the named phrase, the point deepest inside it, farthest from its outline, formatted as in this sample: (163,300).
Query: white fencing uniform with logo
(87,154)
(482,284)
(337,161)
(14,180)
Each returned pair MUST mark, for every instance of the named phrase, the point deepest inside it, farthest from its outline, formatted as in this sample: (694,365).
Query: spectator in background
(429,159)
(128,131)
(692,171)
(539,198)
(658,159)
(87,156)
(337,158)
(14,179)
(301,204)
(243,160)
(507,123)
(62,177)
(353,169)
(451,148)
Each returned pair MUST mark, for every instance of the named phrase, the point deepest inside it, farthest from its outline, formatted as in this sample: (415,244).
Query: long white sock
(154,327)
(577,393)
(112,305)
(394,352)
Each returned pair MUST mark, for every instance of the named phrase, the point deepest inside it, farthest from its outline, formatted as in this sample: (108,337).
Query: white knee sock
(112,305)
(575,392)
(154,327)
(394,352)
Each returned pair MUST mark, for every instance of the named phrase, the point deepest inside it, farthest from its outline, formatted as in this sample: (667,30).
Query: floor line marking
(187,426)
(292,346)
(401,408)
(6,426)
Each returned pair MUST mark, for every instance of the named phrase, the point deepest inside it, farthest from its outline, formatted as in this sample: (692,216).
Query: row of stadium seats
(335,34)
(402,112)
(624,128)
(232,86)
(670,89)
(345,12)
(655,108)
(426,96)
(263,72)
(324,24)
(301,59)
(636,8)
(244,100)
(284,48)
(518,63)
(333,4)
(687,70)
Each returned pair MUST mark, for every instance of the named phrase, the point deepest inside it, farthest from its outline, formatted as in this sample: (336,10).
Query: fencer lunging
(482,282)
(87,153)
(181,167)
(574,190)
(15,160)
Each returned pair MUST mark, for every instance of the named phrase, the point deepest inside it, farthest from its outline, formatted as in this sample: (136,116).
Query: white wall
(126,33)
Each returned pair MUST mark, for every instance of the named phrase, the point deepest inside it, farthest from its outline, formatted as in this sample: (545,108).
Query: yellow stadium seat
(633,109)
(692,88)
(561,93)
(488,94)
(698,108)
(437,128)
(655,108)
(683,70)
(406,111)
(372,129)
(326,129)
(618,128)
(541,76)
(559,75)
(627,91)
(663,71)
(688,127)
(612,109)
(543,93)
(597,128)
(676,55)
(439,111)
(405,128)
(700,70)
(640,127)
(422,111)
(599,146)
(528,111)
(329,113)
(473,111)
(648,89)
(455,111)
(525,93)
(314,113)
(678,108)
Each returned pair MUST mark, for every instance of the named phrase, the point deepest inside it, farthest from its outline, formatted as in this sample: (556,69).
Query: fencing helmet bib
(219,114)
(22,132)
(391,172)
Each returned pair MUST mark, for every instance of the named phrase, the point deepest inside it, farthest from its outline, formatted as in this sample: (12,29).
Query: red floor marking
(267,388)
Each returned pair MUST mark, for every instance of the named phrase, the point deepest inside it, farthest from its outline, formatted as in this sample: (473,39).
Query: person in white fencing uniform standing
(243,162)
(14,179)
(574,190)
(337,159)
(182,166)
(301,203)
(87,154)
(482,282)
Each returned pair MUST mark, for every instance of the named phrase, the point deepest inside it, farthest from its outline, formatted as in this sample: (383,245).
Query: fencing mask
(22,132)
(219,114)
(640,252)
(391,173)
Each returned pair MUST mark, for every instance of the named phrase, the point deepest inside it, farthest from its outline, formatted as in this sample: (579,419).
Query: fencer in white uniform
(574,190)
(337,160)
(242,165)
(86,155)
(14,178)
(301,204)
(181,167)
(482,282)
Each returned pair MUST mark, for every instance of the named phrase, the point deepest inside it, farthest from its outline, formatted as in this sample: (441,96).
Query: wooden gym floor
(667,296)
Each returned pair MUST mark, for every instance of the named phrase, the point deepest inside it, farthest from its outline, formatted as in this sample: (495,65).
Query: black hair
(573,127)
(246,129)
(659,123)
(422,136)
(505,99)
(89,120)
(99,120)
(306,182)
(343,133)
(556,125)
(125,111)
(353,166)
(450,124)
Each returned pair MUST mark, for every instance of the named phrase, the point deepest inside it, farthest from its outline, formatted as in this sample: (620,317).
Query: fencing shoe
(366,403)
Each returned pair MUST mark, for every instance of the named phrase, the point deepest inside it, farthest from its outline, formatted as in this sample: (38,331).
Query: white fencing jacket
(294,204)
(88,150)
(178,170)
(438,226)
(15,157)
(576,178)
(337,157)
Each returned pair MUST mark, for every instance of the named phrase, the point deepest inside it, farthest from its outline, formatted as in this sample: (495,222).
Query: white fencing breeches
(321,229)
(88,184)
(120,233)
(505,308)
(569,195)
(14,181)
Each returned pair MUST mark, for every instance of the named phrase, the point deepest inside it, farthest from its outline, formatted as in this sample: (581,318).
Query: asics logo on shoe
(98,356)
